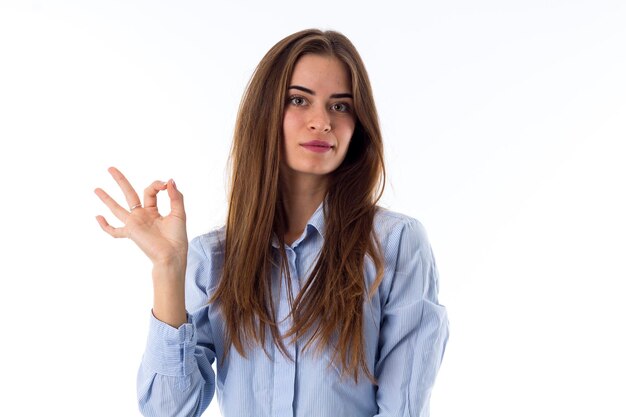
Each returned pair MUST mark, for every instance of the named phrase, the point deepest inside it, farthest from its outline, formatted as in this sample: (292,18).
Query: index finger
(129,192)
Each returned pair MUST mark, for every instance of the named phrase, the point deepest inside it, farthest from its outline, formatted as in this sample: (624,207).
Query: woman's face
(318,121)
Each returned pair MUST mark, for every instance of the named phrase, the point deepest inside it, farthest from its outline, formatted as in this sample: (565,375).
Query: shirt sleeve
(414,330)
(175,377)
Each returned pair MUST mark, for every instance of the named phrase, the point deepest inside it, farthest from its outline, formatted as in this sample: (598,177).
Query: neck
(302,195)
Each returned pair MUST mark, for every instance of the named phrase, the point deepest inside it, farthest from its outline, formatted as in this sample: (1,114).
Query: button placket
(284,368)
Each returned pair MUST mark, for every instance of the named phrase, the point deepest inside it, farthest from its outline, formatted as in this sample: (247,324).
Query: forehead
(321,72)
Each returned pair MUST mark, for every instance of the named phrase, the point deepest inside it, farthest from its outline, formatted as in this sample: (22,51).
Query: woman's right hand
(162,238)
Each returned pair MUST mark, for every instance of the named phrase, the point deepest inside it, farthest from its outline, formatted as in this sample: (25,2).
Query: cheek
(290,123)
(345,131)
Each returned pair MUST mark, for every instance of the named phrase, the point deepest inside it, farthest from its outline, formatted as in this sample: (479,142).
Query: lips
(317,146)
(318,143)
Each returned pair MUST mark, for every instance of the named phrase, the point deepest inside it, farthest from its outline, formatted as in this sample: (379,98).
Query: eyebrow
(311,92)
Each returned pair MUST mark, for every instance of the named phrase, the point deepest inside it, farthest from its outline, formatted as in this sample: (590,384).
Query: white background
(503,124)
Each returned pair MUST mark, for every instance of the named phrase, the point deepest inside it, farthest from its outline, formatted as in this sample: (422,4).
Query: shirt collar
(317,219)
(316,222)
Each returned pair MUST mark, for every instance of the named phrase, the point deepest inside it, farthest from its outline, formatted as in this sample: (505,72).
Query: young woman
(312,300)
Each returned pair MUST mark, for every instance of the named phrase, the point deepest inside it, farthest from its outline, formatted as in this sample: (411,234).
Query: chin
(318,171)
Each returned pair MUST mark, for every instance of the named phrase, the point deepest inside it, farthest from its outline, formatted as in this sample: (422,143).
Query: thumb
(176,199)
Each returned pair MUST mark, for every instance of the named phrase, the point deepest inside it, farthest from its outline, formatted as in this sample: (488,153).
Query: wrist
(174,257)
(170,264)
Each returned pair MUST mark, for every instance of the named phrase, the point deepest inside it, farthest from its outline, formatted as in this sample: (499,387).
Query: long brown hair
(330,303)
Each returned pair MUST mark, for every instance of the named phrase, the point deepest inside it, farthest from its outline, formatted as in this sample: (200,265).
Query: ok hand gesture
(162,238)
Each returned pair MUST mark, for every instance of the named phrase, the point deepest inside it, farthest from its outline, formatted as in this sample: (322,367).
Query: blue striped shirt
(405,332)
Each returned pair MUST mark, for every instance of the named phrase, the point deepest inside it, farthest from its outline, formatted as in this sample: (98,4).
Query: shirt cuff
(170,351)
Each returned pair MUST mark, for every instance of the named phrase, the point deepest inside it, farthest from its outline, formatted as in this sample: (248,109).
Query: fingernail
(174,184)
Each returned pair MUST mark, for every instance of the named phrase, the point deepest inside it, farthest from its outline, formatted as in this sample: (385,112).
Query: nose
(319,121)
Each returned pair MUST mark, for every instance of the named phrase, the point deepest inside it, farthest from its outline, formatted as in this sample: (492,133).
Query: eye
(341,107)
(297,100)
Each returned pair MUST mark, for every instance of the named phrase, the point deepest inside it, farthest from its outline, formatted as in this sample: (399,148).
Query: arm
(175,377)
(414,330)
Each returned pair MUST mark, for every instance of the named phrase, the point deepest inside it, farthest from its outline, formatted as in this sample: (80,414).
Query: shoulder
(211,242)
(206,257)
(403,241)
(410,266)
(392,228)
